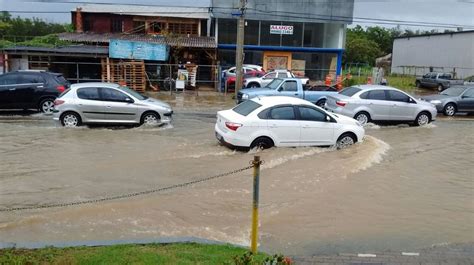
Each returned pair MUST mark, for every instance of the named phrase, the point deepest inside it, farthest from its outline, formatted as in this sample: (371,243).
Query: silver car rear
(367,103)
(108,103)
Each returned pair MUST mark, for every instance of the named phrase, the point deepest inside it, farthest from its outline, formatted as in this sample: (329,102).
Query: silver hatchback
(367,103)
(109,104)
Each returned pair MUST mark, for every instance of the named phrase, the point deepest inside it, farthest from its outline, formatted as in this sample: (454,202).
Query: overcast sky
(429,11)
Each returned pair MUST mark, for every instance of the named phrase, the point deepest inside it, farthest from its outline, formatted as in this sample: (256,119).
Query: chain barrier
(129,195)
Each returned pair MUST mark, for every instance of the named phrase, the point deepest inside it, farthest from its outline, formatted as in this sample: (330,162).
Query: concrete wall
(325,11)
(444,53)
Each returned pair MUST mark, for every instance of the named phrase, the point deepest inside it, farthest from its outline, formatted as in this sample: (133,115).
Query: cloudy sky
(459,12)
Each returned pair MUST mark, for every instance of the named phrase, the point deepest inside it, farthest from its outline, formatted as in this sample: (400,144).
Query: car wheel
(362,117)
(422,119)
(150,119)
(254,85)
(47,106)
(418,84)
(440,88)
(262,143)
(321,103)
(449,109)
(345,140)
(70,119)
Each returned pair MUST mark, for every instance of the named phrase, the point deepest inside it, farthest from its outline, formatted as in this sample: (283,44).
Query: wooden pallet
(127,72)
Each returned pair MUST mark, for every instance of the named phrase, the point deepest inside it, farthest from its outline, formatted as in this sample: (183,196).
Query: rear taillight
(58,102)
(61,89)
(233,126)
(341,103)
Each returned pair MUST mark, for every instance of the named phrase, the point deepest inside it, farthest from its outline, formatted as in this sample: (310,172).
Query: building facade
(307,37)
(440,52)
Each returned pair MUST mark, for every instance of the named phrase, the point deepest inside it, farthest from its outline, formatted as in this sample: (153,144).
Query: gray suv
(108,103)
(367,103)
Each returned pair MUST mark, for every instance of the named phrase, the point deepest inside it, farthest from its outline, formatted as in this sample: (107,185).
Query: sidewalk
(459,254)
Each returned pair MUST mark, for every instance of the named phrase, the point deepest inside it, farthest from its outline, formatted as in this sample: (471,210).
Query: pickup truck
(263,81)
(440,81)
(291,87)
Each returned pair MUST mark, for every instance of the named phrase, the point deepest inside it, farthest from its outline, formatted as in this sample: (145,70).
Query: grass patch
(185,253)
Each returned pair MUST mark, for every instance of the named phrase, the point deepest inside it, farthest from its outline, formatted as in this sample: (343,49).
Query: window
(251,32)
(349,91)
(469,93)
(138,27)
(116,25)
(398,96)
(264,114)
(310,114)
(270,75)
(282,113)
(9,79)
(445,76)
(89,93)
(266,38)
(31,79)
(289,86)
(364,95)
(377,95)
(157,27)
(183,28)
(109,94)
(246,107)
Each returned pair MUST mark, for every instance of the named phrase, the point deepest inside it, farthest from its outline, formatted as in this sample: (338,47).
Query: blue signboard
(138,50)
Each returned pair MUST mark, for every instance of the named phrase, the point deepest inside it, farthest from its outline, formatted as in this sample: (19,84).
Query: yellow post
(256,179)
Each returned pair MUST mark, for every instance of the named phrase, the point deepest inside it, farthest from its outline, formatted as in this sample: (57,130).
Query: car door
(289,88)
(119,107)
(284,126)
(7,88)
(29,89)
(315,128)
(90,105)
(266,79)
(377,101)
(402,108)
(466,103)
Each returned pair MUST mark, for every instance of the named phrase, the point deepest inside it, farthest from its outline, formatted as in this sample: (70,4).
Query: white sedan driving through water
(265,122)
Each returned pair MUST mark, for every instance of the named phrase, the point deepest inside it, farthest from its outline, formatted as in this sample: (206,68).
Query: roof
(436,34)
(74,50)
(144,10)
(372,87)
(92,84)
(277,100)
(191,42)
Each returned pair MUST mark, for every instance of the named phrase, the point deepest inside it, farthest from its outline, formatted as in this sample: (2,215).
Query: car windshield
(246,107)
(274,84)
(133,93)
(349,91)
(453,91)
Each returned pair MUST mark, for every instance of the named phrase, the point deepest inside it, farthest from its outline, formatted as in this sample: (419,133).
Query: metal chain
(129,195)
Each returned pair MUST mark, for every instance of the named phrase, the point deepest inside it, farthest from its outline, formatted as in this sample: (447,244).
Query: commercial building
(440,52)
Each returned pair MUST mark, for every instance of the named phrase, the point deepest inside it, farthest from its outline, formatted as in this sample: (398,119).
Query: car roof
(279,100)
(94,84)
(375,87)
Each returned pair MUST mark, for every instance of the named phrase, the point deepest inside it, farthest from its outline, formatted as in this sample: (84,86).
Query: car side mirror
(410,100)
(328,118)
(129,100)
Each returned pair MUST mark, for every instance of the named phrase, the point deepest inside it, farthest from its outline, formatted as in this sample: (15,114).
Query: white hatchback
(284,121)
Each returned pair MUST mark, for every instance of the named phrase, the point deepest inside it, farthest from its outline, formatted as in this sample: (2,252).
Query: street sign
(281,30)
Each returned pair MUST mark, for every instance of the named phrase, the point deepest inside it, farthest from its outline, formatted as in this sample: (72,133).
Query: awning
(75,50)
(178,41)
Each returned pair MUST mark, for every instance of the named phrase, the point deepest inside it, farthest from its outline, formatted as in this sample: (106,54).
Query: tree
(362,50)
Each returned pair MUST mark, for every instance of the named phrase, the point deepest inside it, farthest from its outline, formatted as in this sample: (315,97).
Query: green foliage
(362,50)
(11,28)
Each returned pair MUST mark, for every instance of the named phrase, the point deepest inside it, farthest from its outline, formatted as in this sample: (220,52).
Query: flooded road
(403,188)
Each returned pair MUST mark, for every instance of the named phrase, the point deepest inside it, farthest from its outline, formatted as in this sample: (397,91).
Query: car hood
(436,97)
(256,91)
(344,119)
(156,103)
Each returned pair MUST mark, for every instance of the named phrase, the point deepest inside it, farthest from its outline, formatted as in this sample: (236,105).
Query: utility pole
(239,51)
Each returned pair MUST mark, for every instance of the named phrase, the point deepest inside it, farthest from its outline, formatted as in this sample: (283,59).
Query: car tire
(253,85)
(440,88)
(46,106)
(321,103)
(70,120)
(362,117)
(345,140)
(418,84)
(262,143)
(422,119)
(450,109)
(150,119)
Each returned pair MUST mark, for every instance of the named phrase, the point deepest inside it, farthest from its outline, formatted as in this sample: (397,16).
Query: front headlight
(245,96)
(435,102)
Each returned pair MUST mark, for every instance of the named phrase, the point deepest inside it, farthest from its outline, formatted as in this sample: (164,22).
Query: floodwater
(403,188)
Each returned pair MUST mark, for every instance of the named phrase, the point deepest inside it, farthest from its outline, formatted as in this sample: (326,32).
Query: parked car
(231,79)
(440,81)
(108,103)
(265,122)
(469,80)
(31,90)
(246,68)
(380,103)
(454,99)
(266,79)
(292,87)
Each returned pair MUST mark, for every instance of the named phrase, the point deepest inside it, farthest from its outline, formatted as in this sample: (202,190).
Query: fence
(458,72)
